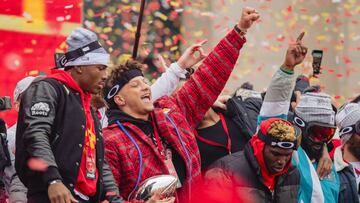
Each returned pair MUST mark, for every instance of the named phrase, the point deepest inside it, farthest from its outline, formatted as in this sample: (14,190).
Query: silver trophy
(164,184)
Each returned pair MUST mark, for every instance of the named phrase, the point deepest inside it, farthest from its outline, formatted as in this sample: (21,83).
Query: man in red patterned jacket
(146,139)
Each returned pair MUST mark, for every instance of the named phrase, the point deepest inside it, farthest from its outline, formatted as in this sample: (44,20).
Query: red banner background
(31,31)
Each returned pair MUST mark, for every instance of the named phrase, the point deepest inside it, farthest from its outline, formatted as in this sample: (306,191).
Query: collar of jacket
(116,114)
(66,78)
(339,162)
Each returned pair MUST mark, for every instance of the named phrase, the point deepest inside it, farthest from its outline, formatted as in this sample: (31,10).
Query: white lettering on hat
(86,48)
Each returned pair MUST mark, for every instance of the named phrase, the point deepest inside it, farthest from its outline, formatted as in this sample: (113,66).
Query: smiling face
(276,158)
(134,98)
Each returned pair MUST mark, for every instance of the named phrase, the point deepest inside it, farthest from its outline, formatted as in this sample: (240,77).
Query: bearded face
(353,146)
(312,149)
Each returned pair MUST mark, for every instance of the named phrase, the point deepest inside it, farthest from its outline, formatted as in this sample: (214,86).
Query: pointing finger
(300,37)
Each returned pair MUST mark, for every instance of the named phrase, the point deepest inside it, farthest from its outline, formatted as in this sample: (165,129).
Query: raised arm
(206,84)
(167,83)
(277,99)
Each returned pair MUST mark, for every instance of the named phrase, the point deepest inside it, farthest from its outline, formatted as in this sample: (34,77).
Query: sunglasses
(276,143)
(350,129)
(317,132)
(284,145)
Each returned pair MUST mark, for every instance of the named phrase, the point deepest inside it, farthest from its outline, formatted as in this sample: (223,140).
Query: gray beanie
(347,116)
(316,107)
(81,37)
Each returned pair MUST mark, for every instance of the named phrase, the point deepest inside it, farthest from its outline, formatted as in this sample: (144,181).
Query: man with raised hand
(145,139)
(263,172)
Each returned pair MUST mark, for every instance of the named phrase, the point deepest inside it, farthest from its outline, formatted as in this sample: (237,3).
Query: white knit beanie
(347,116)
(316,107)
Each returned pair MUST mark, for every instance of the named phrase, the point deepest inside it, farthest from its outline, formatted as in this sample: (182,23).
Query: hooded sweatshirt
(88,173)
(258,147)
(268,178)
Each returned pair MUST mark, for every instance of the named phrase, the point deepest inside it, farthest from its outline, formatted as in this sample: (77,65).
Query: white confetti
(69,6)
(60,18)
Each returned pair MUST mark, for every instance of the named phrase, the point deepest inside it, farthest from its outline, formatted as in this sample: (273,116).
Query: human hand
(295,54)
(160,63)
(325,164)
(189,57)
(221,101)
(307,69)
(248,17)
(58,193)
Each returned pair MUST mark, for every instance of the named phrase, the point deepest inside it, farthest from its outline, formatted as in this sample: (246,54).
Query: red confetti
(339,75)
(289,9)
(346,60)
(281,38)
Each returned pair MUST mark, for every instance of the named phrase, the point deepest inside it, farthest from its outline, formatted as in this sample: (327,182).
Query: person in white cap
(15,190)
(347,157)
(59,146)
(20,88)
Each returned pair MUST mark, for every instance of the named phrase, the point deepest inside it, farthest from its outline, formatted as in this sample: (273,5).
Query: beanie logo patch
(40,109)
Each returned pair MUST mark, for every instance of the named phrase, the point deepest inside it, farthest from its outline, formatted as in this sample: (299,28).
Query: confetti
(165,31)
(69,6)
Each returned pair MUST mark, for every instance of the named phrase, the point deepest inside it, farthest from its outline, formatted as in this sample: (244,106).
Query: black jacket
(51,126)
(348,188)
(244,113)
(243,164)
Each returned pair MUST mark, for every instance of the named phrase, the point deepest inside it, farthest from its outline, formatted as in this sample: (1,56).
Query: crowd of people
(86,135)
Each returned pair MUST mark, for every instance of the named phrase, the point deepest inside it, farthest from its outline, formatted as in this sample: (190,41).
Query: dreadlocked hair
(116,74)
(282,131)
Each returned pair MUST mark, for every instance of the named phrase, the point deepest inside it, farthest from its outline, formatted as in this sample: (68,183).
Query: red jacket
(186,109)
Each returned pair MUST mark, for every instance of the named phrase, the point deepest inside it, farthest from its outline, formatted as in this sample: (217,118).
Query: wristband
(283,69)
(238,30)
(54,182)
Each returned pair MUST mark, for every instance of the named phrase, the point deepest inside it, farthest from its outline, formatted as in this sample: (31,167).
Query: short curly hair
(116,74)
(282,131)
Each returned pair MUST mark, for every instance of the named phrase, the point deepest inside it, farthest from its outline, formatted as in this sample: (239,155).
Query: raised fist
(248,17)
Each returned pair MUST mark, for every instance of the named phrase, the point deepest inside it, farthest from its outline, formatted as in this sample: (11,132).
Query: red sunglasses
(321,133)
(317,132)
